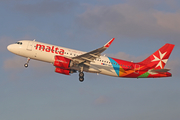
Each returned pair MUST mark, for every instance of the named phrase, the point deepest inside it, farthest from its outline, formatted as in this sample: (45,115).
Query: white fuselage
(46,52)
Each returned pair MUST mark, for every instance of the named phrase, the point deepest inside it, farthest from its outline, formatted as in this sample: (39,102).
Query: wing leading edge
(92,55)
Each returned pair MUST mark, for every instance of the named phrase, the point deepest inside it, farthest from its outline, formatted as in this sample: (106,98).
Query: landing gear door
(30,45)
(136,68)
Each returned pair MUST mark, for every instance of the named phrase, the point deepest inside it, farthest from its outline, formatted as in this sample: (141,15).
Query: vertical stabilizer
(159,59)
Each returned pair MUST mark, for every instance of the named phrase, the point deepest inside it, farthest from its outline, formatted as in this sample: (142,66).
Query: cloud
(101,100)
(154,4)
(8,1)
(168,21)
(129,20)
(4,42)
(174,65)
(14,63)
(15,67)
(47,7)
(18,63)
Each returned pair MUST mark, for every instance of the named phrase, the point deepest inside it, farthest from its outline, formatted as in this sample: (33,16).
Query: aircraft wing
(92,55)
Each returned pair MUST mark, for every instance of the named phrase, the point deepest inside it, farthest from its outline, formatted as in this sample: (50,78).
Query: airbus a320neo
(68,61)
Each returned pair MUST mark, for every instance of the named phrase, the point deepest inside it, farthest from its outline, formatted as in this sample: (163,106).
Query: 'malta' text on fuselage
(49,49)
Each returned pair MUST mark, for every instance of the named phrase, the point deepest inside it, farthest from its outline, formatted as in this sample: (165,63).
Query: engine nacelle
(62,62)
(62,71)
(63,65)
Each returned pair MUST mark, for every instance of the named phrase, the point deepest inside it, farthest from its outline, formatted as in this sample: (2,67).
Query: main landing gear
(26,64)
(81,74)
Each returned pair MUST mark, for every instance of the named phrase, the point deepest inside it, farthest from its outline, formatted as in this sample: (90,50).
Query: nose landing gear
(26,64)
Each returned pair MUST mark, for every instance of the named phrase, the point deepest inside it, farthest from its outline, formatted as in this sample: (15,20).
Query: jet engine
(62,62)
(62,71)
(63,65)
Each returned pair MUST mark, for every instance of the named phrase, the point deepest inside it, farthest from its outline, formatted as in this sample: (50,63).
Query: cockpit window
(20,43)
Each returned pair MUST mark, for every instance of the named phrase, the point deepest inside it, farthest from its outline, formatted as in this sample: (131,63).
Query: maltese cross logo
(161,60)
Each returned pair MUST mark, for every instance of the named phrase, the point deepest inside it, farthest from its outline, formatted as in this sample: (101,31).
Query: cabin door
(30,45)
(136,68)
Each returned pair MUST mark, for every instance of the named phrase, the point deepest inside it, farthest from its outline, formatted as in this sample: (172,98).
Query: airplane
(68,61)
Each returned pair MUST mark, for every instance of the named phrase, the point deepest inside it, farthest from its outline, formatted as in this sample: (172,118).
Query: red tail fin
(159,59)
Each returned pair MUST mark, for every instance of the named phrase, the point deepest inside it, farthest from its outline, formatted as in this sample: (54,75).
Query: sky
(140,28)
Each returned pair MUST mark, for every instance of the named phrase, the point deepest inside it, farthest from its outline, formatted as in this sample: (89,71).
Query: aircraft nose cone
(10,47)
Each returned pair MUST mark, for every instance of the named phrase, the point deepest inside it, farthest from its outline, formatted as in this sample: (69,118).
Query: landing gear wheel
(25,65)
(81,79)
(81,74)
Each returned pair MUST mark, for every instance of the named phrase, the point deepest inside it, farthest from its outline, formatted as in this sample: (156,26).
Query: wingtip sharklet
(109,43)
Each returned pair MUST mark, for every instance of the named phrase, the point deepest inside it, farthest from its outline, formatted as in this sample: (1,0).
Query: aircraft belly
(106,70)
(93,69)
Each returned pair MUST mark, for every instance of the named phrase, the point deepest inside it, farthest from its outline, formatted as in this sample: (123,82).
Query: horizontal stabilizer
(160,70)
